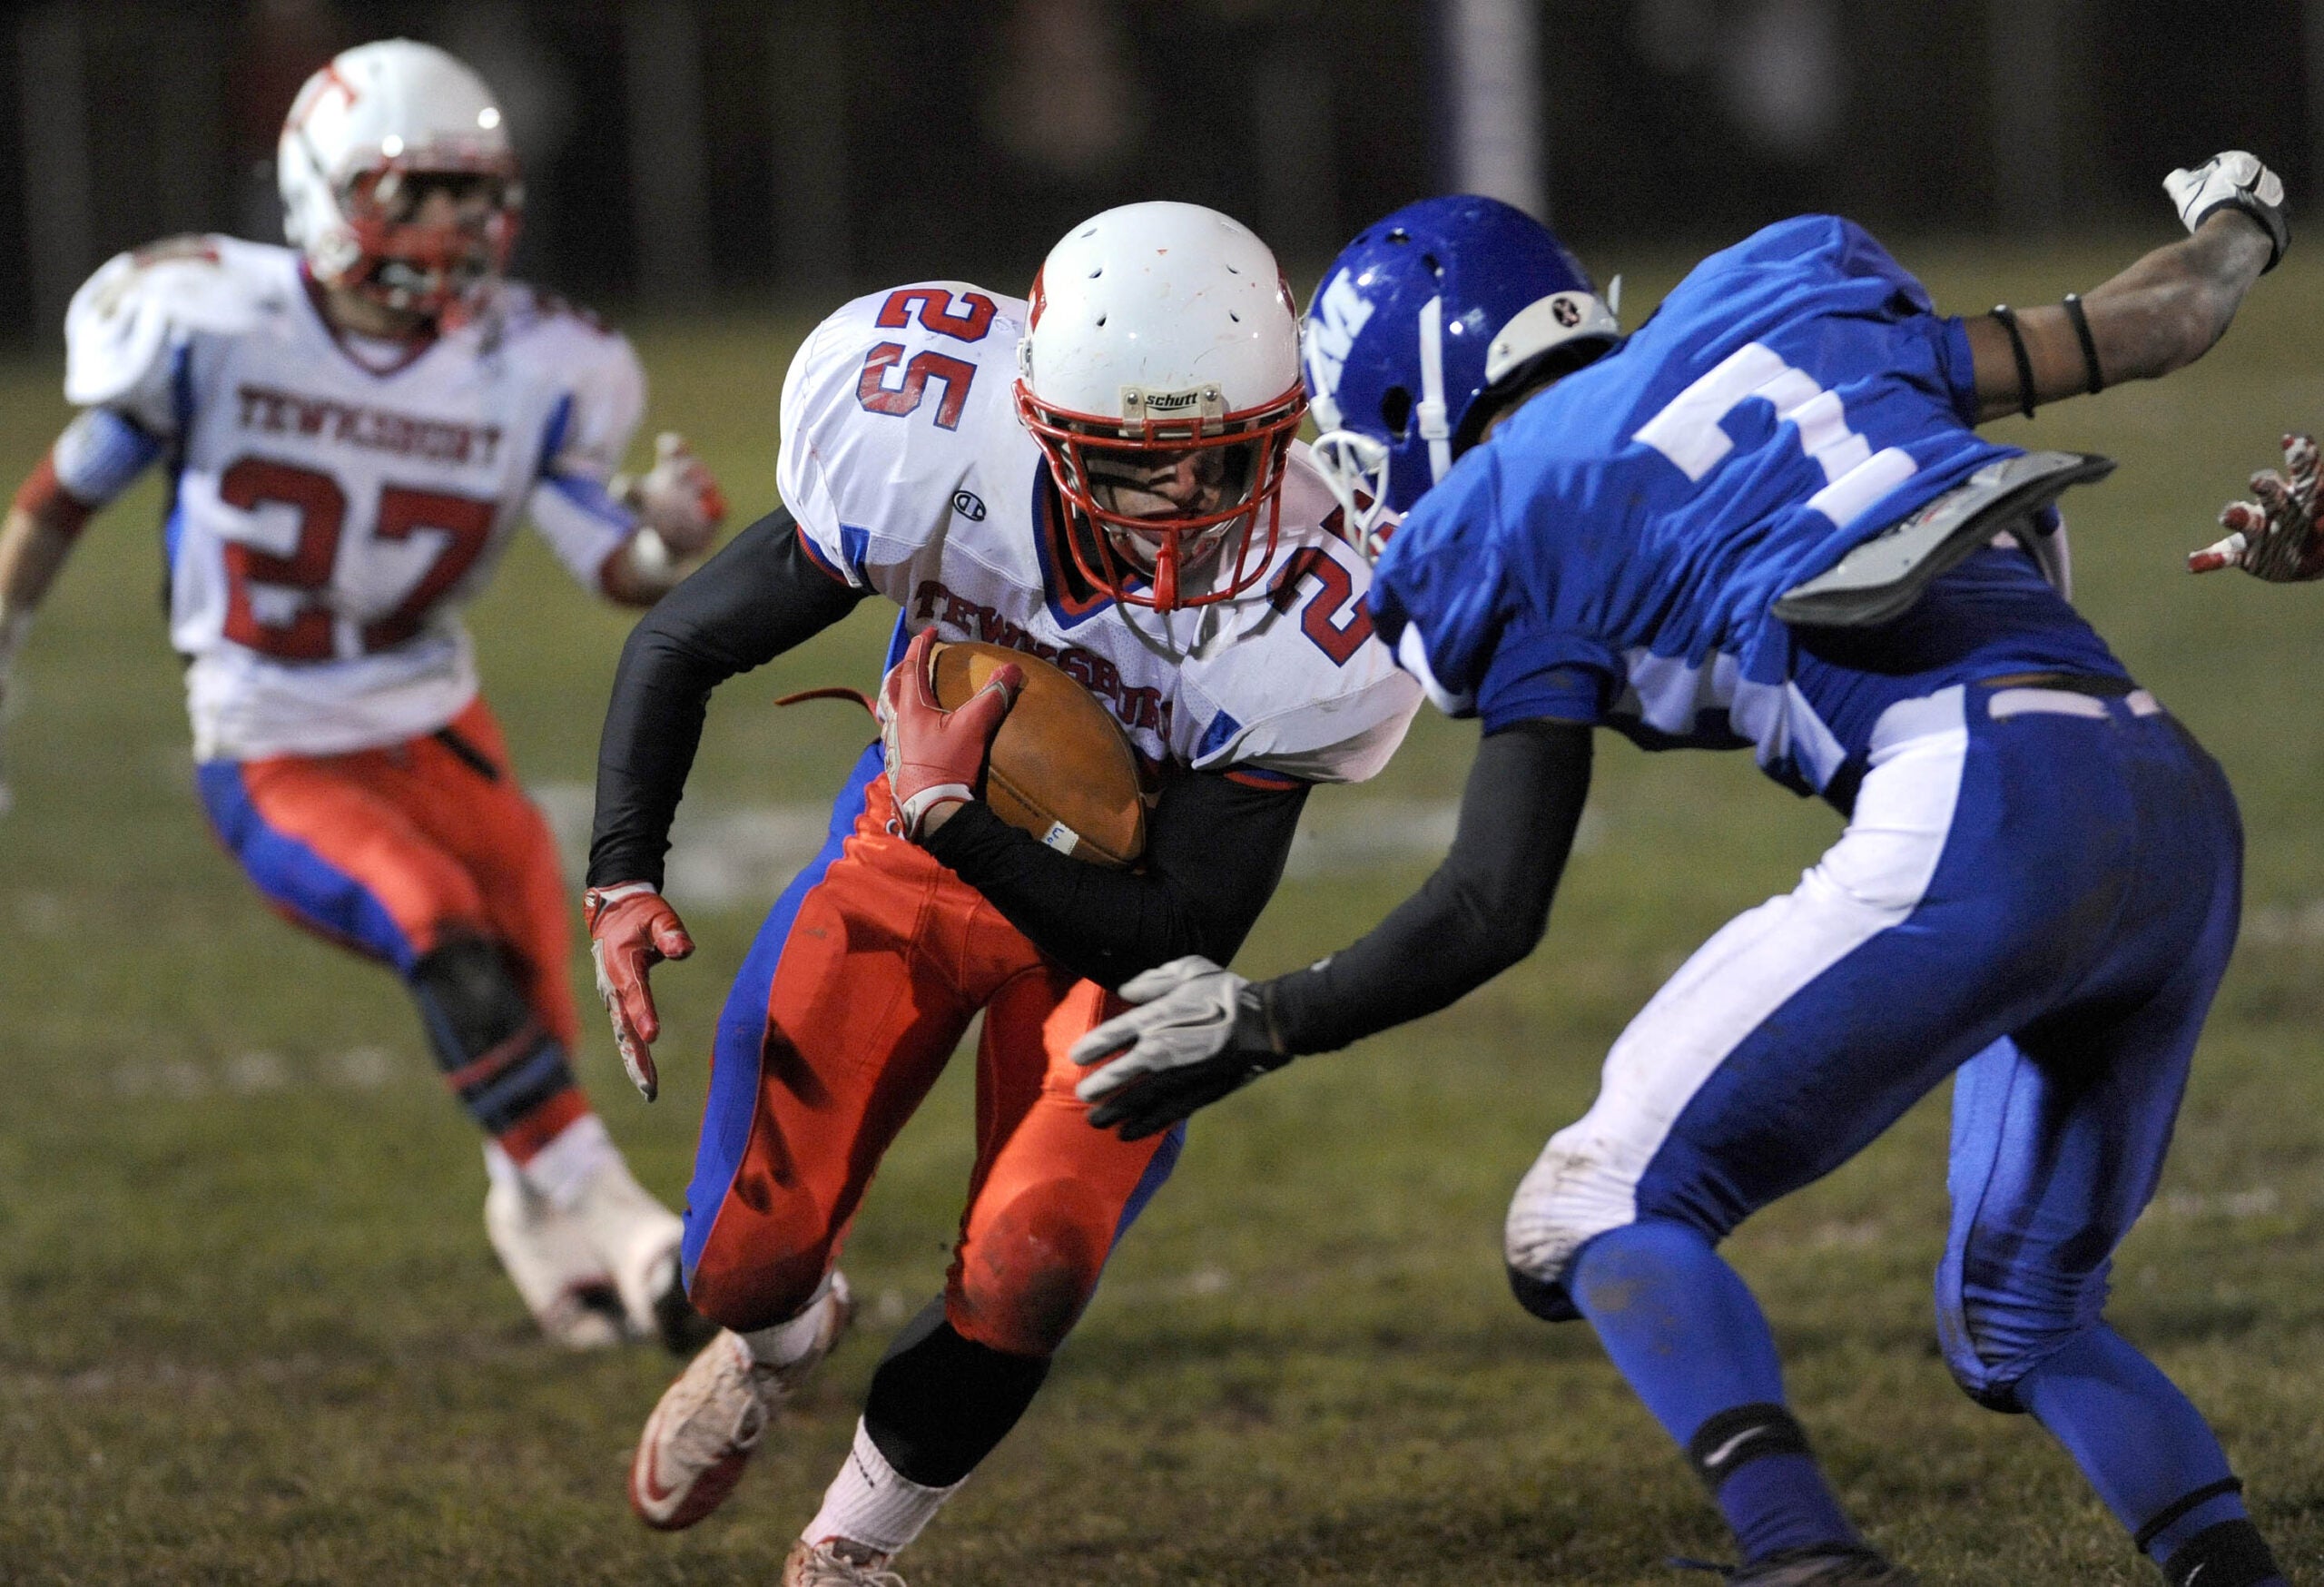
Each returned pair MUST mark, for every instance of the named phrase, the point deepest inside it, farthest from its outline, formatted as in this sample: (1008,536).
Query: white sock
(578,1153)
(872,1503)
(785,1343)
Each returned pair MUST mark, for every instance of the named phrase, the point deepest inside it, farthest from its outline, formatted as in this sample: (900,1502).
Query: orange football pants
(393,851)
(862,982)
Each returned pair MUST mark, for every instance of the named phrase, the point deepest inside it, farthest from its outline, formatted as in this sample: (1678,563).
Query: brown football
(1062,768)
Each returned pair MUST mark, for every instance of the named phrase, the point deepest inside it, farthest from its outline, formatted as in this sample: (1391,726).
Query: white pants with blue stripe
(2038,889)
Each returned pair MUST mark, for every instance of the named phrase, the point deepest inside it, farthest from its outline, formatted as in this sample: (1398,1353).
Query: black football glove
(1199,1033)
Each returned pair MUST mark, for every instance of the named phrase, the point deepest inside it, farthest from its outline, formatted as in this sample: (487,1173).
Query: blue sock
(1682,1327)
(2140,1442)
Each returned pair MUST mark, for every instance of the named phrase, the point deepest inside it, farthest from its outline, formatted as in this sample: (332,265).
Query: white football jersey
(335,502)
(904,461)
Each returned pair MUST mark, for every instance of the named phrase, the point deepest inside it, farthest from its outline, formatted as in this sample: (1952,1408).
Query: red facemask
(431,267)
(1234,460)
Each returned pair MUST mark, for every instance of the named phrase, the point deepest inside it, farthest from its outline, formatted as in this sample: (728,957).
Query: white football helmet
(368,138)
(1159,371)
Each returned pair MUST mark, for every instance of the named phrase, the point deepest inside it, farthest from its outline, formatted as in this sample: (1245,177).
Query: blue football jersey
(1612,554)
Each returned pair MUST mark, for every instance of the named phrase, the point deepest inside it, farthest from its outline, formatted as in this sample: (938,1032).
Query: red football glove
(2275,537)
(631,929)
(936,757)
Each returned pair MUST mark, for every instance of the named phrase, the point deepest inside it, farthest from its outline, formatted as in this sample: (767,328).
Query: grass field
(250,1330)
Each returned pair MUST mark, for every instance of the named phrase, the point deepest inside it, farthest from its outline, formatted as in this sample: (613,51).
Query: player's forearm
(1214,852)
(34,546)
(2172,306)
(1482,911)
(754,600)
(2161,315)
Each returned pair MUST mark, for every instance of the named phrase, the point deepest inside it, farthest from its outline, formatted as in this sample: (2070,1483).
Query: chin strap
(1434,428)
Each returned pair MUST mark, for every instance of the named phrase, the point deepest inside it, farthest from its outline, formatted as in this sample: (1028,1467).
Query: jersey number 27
(465,522)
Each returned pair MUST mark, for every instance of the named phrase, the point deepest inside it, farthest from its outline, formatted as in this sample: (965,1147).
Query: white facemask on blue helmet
(1415,320)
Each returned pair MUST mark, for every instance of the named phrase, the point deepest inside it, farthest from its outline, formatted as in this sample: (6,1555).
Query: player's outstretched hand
(631,929)
(2274,538)
(2233,180)
(936,757)
(1199,1033)
(678,497)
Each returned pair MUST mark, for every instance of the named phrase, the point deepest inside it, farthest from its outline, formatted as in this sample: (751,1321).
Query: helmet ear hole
(1396,409)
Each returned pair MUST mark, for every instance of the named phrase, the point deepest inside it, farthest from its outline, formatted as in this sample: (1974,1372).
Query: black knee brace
(492,1051)
(939,1403)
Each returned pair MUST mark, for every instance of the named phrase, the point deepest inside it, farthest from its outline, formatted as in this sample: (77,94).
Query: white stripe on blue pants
(2039,886)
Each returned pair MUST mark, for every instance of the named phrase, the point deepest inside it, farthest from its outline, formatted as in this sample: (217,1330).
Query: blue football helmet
(1418,318)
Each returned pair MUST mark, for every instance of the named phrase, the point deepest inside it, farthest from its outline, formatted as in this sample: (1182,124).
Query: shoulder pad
(593,363)
(524,310)
(1308,690)
(828,379)
(124,320)
(895,392)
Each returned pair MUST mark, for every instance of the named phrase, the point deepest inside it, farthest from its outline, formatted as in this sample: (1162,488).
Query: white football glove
(2233,180)
(678,498)
(1202,1032)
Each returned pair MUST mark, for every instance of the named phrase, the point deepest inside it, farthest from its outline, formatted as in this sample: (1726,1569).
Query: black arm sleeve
(1482,912)
(743,607)
(1215,850)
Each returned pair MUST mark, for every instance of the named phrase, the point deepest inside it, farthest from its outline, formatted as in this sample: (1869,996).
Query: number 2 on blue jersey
(1691,433)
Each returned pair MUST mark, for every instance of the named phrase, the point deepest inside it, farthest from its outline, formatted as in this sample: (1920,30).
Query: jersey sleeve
(127,329)
(590,431)
(1448,598)
(811,388)
(888,409)
(590,424)
(1958,366)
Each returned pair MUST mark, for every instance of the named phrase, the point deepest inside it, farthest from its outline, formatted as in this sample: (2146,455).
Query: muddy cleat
(565,1284)
(637,1241)
(837,1562)
(700,1435)
(1822,1567)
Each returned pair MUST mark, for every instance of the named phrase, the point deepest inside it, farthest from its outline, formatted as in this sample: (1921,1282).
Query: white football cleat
(702,1434)
(638,1240)
(565,1284)
(837,1563)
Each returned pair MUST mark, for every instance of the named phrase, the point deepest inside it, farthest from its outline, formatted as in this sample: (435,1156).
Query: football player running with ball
(353,428)
(1686,534)
(1104,477)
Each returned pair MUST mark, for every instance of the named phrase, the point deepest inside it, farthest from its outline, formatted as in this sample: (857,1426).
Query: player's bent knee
(1566,1199)
(1987,1385)
(1989,1347)
(1546,1299)
(1025,1273)
(470,997)
(737,1291)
